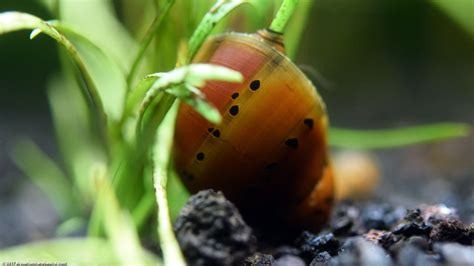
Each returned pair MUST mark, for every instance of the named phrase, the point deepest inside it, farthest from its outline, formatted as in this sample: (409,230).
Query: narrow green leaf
(461,11)
(388,138)
(118,224)
(15,21)
(150,34)
(214,16)
(78,251)
(105,72)
(181,83)
(285,12)
(47,176)
(98,21)
(201,106)
(296,27)
(161,159)
(177,193)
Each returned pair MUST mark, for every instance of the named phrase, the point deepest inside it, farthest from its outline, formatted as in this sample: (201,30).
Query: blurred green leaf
(461,11)
(150,34)
(15,21)
(78,251)
(79,146)
(102,27)
(118,224)
(296,27)
(388,138)
(47,176)
(105,72)
(177,193)
(216,14)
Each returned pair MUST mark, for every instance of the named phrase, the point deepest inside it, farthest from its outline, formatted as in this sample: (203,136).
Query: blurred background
(377,64)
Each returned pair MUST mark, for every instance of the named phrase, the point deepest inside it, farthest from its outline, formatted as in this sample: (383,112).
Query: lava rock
(259,259)
(322,258)
(381,238)
(455,254)
(380,216)
(289,260)
(413,224)
(210,230)
(451,230)
(311,244)
(358,251)
(345,220)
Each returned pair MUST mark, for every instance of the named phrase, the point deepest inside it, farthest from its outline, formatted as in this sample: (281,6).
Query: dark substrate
(211,231)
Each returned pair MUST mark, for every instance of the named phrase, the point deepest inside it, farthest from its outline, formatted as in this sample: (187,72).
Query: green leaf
(150,34)
(388,138)
(102,26)
(79,146)
(296,27)
(181,83)
(461,11)
(105,72)
(78,251)
(15,21)
(118,224)
(47,176)
(177,193)
(161,160)
(214,16)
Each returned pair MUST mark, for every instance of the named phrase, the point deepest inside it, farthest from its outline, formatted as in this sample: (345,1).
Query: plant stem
(283,15)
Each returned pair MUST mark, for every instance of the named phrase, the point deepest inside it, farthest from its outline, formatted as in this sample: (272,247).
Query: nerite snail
(269,155)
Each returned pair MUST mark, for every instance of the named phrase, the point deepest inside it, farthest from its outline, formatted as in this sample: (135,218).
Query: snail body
(269,155)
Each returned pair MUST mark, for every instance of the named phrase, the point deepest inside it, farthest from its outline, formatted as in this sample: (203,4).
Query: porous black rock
(380,216)
(211,231)
(311,244)
(322,258)
(451,230)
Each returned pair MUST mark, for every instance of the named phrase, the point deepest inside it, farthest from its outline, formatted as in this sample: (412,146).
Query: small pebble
(322,258)
(311,244)
(358,251)
(289,260)
(411,255)
(259,259)
(455,254)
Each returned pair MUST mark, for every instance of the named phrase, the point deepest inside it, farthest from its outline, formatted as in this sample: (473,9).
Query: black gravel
(212,232)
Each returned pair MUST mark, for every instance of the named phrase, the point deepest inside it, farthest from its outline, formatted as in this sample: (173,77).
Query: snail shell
(269,155)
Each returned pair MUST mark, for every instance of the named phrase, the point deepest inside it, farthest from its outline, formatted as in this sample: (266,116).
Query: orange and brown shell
(269,155)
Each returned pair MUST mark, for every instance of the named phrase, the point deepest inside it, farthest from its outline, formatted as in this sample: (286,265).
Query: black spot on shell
(200,156)
(292,143)
(234,110)
(309,123)
(234,95)
(254,85)
(210,129)
(216,133)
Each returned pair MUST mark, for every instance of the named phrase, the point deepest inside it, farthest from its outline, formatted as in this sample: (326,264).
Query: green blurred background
(377,64)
